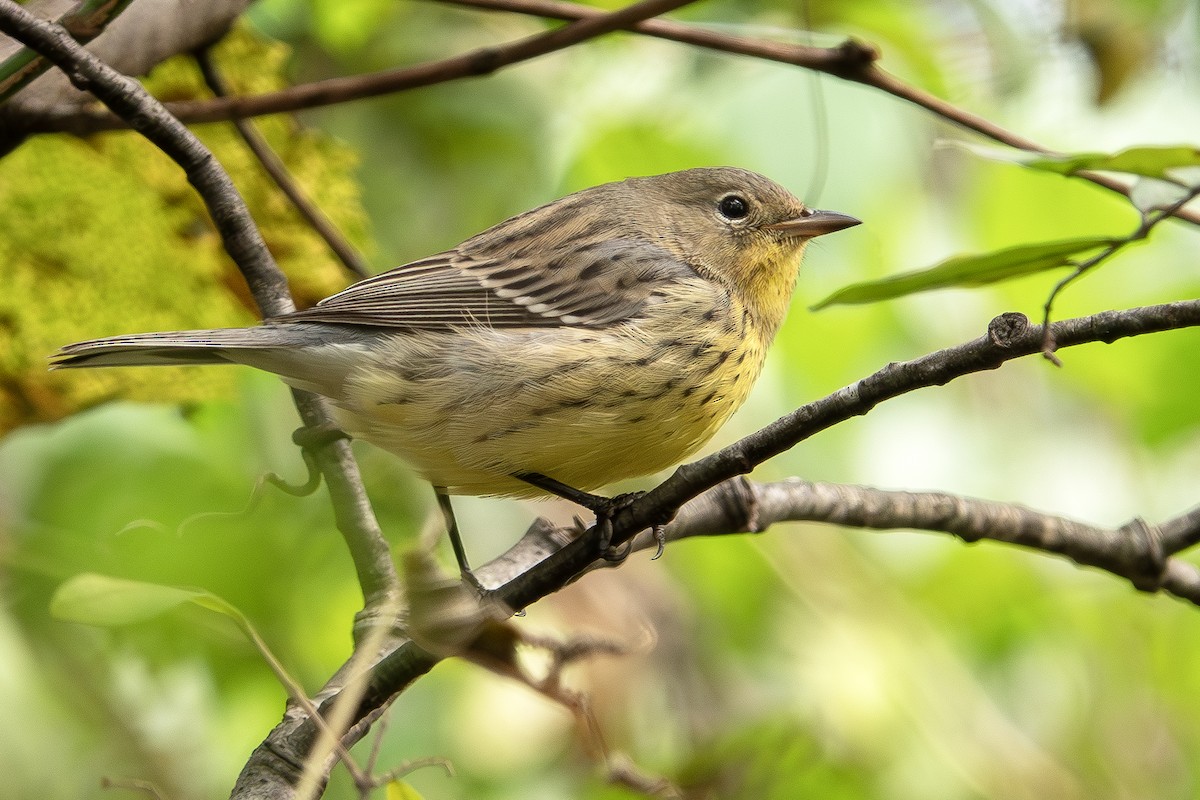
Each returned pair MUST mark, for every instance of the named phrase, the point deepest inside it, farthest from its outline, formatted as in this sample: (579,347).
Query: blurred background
(809,661)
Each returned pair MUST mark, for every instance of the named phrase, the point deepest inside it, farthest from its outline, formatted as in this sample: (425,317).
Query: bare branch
(1009,336)
(1135,551)
(473,64)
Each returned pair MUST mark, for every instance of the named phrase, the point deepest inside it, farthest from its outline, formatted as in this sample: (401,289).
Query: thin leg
(460,553)
(605,508)
(599,505)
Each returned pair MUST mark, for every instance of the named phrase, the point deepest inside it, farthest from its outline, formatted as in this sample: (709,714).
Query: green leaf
(972,270)
(103,600)
(1151,162)
(1166,162)
(400,790)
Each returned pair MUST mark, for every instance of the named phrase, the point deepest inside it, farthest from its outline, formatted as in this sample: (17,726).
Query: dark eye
(733,206)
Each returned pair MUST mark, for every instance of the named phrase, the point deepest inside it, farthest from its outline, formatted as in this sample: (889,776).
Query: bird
(602,336)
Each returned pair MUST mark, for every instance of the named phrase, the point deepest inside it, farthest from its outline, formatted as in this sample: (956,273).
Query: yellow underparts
(586,407)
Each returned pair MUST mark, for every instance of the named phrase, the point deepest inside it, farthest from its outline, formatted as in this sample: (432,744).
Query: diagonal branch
(1009,336)
(1137,551)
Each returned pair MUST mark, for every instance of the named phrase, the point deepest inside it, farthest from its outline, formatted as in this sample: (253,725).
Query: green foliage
(103,600)
(106,236)
(976,270)
(804,662)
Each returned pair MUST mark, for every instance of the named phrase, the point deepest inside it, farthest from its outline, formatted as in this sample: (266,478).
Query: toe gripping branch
(605,509)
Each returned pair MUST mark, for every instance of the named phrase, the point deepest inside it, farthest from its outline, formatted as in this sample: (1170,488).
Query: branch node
(739,494)
(485,61)
(1005,329)
(856,54)
(1147,559)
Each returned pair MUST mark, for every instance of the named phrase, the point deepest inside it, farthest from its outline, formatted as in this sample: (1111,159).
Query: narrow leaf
(972,270)
(1166,162)
(103,600)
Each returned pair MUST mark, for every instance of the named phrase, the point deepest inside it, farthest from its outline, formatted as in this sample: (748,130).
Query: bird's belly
(586,409)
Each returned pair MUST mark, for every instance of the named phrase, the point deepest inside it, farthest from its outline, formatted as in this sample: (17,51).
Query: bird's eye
(733,206)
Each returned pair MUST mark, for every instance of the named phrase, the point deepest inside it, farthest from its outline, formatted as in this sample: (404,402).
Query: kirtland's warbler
(602,336)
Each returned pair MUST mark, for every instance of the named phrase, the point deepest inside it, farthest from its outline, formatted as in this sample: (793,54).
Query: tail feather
(308,355)
(160,349)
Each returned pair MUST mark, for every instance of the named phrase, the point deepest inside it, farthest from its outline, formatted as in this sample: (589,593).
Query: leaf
(1166,162)
(401,790)
(103,600)
(972,270)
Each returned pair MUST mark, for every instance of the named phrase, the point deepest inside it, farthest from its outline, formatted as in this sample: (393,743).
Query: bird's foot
(605,509)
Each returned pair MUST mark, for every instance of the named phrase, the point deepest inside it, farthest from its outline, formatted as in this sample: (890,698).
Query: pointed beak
(812,222)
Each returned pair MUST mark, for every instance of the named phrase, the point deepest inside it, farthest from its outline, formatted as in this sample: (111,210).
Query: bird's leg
(605,508)
(460,552)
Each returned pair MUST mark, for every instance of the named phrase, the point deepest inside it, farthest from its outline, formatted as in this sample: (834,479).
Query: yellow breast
(585,407)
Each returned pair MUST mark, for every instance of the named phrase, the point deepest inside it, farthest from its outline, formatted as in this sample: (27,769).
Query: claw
(660,537)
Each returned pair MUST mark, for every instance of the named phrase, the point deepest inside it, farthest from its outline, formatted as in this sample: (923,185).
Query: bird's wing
(590,286)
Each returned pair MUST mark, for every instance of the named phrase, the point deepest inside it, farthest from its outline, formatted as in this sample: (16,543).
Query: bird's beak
(812,223)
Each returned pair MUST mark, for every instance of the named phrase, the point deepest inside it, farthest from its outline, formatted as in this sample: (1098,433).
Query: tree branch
(473,64)
(1009,336)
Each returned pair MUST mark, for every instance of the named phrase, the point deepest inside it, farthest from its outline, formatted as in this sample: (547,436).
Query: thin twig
(472,64)
(273,165)
(1149,220)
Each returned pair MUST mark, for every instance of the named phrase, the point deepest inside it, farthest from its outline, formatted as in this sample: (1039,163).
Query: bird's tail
(157,349)
(307,355)
(218,346)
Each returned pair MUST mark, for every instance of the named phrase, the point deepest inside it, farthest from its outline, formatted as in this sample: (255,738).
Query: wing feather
(486,283)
